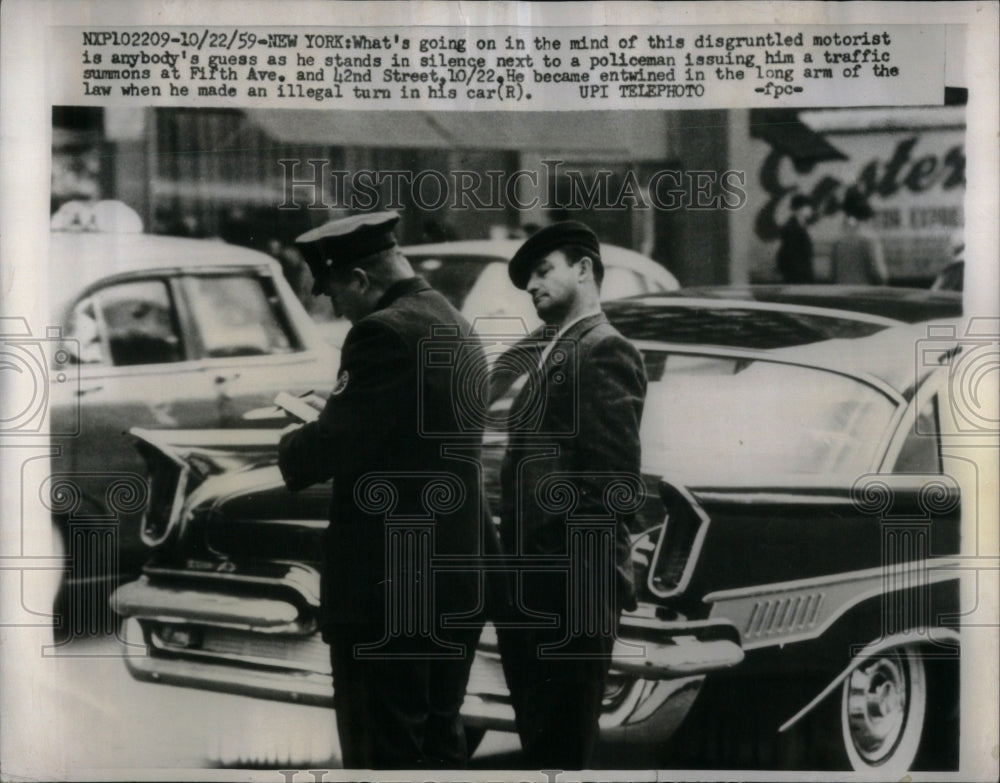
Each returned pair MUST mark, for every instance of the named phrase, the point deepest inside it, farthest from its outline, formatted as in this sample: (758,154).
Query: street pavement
(103,724)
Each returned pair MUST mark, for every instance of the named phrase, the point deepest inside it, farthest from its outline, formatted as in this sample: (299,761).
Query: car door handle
(220,379)
(88,390)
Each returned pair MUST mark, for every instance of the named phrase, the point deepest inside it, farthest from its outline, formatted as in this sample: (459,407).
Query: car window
(127,323)
(83,342)
(619,283)
(921,452)
(710,419)
(236,316)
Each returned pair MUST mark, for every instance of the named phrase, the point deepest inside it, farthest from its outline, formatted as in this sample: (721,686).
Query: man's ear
(360,277)
(586,266)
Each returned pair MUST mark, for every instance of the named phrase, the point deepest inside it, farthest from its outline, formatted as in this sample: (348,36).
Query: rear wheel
(883,709)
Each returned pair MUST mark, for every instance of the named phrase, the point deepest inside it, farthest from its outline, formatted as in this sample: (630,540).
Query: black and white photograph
(528,391)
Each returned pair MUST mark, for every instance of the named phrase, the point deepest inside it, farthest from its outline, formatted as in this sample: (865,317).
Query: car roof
(858,344)
(892,356)
(909,305)
(504,250)
(681,317)
(78,259)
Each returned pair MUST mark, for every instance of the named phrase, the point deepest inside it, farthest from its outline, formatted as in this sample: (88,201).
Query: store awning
(786,133)
(883,120)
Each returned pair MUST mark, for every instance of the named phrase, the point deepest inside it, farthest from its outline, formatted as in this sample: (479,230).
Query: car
(951,278)
(890,303)
(796,544)
(472,274)
(162,332)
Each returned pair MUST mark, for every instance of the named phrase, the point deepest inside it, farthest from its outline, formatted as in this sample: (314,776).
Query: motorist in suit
(407,486)
(795,252)
(570,484)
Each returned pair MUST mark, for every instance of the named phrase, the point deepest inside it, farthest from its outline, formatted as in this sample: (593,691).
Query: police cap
(340,242)
(567,233)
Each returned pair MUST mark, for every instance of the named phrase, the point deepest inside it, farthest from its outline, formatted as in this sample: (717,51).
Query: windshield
(717,420)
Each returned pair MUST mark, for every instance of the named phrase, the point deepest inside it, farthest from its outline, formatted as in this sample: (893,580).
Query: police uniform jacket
(573,438)
(384,438)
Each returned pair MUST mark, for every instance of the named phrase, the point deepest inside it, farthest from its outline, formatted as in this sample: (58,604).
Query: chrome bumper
(653,649)
(264,683)
(650,672)
(268,650)
(214,600)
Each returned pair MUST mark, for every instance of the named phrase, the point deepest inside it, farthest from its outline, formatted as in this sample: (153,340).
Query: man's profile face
(554,286)
(347,294)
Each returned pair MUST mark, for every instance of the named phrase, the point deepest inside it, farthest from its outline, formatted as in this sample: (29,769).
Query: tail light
(169,479)
(680,542)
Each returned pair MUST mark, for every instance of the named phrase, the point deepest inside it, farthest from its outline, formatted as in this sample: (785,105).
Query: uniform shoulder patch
(341,382)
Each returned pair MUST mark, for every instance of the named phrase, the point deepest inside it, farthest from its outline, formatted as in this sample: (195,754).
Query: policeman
(573,444)
(406,489)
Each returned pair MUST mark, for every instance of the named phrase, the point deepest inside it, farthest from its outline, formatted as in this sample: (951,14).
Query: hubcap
(876,703)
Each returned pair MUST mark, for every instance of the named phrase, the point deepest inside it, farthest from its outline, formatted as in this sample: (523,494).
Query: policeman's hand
(290,461)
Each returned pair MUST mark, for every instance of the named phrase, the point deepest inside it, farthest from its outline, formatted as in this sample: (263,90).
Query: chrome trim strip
(937,563)
(311,524)
(944,636)
(802,497)
(754,304)
(759,355)
(934,383)
(799,610)
(770,498)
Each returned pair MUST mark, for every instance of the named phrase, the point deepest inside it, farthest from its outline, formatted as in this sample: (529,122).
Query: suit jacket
(795,253)
(573,451)
(384,437)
